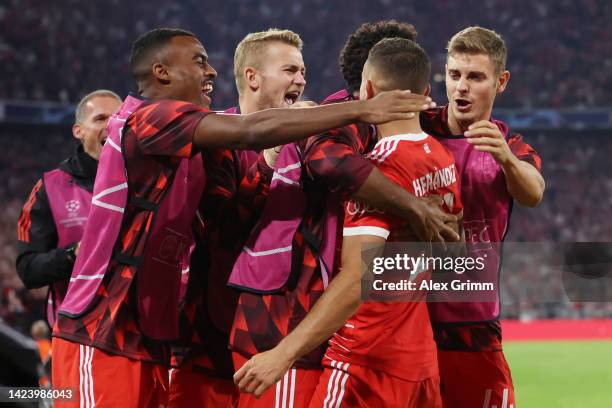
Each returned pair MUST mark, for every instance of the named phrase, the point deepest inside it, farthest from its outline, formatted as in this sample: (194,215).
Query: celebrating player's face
(91,130)
(471,87)
(189,73)
(281,76)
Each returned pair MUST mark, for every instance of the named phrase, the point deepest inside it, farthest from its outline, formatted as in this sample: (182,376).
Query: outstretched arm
(273,127)
(425,218)
(339,302)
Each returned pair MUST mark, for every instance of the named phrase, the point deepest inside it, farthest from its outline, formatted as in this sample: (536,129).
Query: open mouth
(291,97)
(463,104)
(207,88)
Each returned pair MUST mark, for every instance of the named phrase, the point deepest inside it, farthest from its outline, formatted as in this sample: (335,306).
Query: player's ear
(427,90)
(251,78)
(369,89)
(160,72)
(77,131)
(502,81)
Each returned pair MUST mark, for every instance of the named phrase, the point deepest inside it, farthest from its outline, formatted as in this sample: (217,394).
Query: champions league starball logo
(72,207)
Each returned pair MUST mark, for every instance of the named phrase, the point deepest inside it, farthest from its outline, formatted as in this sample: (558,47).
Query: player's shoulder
(170,106)
(400,147)
(342,95)
(152,112)
(153,116)
(358,135)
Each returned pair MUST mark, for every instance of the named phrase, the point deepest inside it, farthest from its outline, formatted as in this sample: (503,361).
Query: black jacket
(39,261)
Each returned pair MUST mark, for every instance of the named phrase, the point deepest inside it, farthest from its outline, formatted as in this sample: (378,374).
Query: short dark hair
(148,43)
(402,63)
(355,52)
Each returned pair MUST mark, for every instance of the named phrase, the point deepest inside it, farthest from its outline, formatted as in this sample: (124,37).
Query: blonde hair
(79,112)
(251,47)
(478,40)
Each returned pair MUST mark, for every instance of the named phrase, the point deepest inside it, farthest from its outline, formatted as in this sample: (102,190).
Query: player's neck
(399,127)
(247,105)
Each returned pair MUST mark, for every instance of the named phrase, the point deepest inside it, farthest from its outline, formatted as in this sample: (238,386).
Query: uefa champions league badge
(72,206)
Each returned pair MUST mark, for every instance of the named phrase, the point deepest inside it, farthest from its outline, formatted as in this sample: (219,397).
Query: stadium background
(559,97)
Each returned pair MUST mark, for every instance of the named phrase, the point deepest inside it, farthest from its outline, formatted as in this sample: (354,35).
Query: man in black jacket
(52,220)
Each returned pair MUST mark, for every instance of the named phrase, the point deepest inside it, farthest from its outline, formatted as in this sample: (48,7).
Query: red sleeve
(361,219)
(524,151)
(166,127)
(335,157)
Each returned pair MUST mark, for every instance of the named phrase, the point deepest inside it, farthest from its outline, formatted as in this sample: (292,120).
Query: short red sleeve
(166,127)
(361,219)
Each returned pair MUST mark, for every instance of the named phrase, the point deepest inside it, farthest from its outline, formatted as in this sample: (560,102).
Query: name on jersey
(434,180)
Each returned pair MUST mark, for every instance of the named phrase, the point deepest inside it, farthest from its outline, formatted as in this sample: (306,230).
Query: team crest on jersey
(449,200)
(426,148)
(359,208)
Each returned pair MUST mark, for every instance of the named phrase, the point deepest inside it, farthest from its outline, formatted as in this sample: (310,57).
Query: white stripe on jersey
(292,391)
(285,380)
(278,388)
(366,230)
(389,144)
(336,384)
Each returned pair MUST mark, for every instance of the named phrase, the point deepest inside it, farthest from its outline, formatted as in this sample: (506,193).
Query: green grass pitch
(561,374)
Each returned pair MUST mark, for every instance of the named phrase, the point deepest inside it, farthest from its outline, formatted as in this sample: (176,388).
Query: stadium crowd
(560,50)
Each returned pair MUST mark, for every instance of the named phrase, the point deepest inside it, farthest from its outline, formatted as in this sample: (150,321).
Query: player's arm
(273,127)
(425,218)
(336,158)
(339,302)
(524,182)
(39,262)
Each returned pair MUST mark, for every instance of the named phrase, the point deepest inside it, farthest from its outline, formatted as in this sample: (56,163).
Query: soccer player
(332,167)
(382,353)
(51,224)
(356,49)
(270,73)
(121,310)
(497,168)
(354,55)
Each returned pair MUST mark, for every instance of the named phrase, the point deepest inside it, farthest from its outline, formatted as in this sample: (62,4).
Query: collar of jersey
(409,137)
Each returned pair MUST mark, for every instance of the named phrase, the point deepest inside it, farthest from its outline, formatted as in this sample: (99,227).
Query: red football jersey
(396,337)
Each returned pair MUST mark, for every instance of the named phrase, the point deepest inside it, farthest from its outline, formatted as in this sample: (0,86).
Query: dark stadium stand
(559,53)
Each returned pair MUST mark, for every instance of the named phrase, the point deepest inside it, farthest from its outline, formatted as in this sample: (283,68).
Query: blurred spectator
(42,337)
